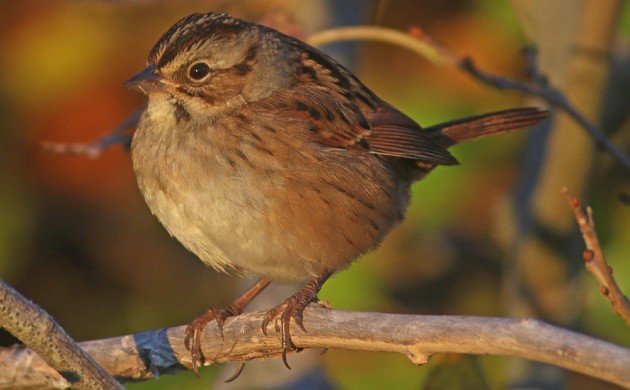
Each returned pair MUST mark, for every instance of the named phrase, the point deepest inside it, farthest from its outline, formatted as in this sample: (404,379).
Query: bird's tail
(467,129)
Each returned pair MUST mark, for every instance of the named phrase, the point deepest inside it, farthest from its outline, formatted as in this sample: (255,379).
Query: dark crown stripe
(190,30)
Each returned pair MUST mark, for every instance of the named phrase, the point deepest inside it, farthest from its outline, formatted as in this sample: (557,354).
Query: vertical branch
(595,261)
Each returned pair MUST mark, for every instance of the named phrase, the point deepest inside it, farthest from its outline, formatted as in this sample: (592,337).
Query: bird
(265,157)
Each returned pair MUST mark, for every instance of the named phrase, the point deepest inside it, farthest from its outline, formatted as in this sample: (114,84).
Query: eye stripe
(243,68)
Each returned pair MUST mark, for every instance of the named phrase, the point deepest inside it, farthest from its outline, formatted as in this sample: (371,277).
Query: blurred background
(492,237)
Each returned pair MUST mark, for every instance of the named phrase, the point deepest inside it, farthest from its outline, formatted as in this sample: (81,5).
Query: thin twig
(143,356)
(121,135)
(44,335)
(596,262)
(552,96)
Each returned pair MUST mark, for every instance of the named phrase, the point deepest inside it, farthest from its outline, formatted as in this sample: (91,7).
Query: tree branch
(32,325)
(143,356)
(595,261)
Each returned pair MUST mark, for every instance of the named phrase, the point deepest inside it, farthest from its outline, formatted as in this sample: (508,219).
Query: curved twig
(145,355)
(379,34)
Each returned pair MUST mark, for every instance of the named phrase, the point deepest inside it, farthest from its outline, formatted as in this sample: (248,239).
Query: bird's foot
(192,341)
(292,308)
(194,329)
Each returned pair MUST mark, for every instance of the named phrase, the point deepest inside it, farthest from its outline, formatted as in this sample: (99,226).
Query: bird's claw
(192,341)
(292,308)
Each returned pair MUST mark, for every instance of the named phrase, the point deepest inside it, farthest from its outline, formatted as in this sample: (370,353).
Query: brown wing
(395,134)
(345,113)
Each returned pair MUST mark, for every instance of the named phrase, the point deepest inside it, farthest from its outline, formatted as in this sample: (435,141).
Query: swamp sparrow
(264,156)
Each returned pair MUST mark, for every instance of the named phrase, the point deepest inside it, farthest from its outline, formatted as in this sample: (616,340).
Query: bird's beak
(147,81)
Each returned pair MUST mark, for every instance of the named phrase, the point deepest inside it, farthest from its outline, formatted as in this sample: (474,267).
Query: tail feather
(467,129)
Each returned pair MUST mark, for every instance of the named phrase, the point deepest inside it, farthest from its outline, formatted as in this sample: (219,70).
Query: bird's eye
(198,71)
